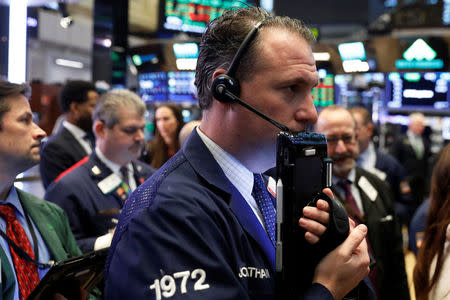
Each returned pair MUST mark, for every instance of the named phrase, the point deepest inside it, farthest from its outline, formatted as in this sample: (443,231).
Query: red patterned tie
(265,204)
(26,272)
(345,185)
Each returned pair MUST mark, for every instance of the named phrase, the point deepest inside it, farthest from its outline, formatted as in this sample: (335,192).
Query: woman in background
(432,271)
(169,120)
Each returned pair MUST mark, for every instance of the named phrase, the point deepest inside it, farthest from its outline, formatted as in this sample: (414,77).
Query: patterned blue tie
(265,204)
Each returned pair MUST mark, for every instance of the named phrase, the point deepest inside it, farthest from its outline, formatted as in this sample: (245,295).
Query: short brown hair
(8,89)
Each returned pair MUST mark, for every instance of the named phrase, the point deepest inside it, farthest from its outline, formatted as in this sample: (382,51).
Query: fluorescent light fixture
(352,51)
(17,49)
(66,20)
(186,63)
(185,50)
(418,94)
(321,56)
(355,65)
(69,63)
(267,5)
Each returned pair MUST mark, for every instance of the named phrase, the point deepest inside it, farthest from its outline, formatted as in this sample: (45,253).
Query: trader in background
(384,165)
(74,140)
(33,231)
(413,151)
(93,191)
(368,201)
(203,227)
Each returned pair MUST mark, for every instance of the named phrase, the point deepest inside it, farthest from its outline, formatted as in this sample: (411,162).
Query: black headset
(224,84)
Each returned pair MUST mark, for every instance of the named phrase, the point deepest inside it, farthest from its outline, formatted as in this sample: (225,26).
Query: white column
(17,49)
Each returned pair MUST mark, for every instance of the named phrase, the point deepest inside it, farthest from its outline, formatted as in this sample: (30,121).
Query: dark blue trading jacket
(187,233)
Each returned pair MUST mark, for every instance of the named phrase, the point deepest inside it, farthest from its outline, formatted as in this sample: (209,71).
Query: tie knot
(258,182)
(345,184)
(90,138)
(8,213)
(124,173)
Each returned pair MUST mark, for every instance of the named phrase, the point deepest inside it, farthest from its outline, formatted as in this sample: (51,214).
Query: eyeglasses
(348,139)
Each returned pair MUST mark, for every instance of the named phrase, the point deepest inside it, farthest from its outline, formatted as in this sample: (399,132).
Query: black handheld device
(303,171)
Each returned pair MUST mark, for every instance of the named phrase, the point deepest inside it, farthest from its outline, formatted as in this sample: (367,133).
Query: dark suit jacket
(417,171)
(396,176)
(189,219)
(58,154)
(406,155)
(91,212)
(418,224)
(384,236)
(54,228)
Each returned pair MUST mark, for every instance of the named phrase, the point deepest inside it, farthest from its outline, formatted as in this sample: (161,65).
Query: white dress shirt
(79,135)
(237,173)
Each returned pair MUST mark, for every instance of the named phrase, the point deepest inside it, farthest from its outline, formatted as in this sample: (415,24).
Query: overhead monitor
(418,91)
(181,86)
(193,16)
(186,55)
(153,86)
(359,89)
(323,93)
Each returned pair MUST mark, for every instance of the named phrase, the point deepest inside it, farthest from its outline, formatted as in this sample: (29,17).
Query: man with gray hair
(413,151)
(93,191)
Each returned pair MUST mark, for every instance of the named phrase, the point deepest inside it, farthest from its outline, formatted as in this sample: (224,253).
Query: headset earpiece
(227,82)
(224,83)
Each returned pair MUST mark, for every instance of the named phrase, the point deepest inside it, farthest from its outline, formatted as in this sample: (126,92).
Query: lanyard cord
(22,253)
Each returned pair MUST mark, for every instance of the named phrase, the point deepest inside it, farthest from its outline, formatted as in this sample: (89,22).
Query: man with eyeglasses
(368,201)
(93,191)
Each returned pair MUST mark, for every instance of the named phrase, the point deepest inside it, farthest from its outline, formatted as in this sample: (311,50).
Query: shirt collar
(351,177)
(13,199)
(367,159)
(235,171)
(110,164)
(75,130)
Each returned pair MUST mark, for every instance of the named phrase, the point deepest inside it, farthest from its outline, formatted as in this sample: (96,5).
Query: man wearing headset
(195,230)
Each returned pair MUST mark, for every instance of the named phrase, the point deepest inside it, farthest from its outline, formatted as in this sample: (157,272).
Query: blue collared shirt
(44,254)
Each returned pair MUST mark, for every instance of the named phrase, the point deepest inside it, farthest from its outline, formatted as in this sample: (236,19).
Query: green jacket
(54,228)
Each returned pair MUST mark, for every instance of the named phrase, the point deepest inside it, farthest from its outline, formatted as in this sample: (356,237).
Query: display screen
(426,91)
(323,93)
(446,128)
(181,86)
(153,86)
(359,89)
(193,16)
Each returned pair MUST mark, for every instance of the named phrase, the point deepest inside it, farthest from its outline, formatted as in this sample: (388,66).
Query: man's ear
(75,109)
(370,129)
(99,129)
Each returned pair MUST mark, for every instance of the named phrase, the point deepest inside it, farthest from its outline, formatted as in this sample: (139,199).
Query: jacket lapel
(137,174)
(73,142)
(39,214)
(251,225)
(368,204)
(204,163)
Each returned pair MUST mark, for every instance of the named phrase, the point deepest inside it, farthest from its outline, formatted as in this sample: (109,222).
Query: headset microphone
(254,110)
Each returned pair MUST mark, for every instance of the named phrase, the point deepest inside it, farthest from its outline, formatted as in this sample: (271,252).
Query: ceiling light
(66,20)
